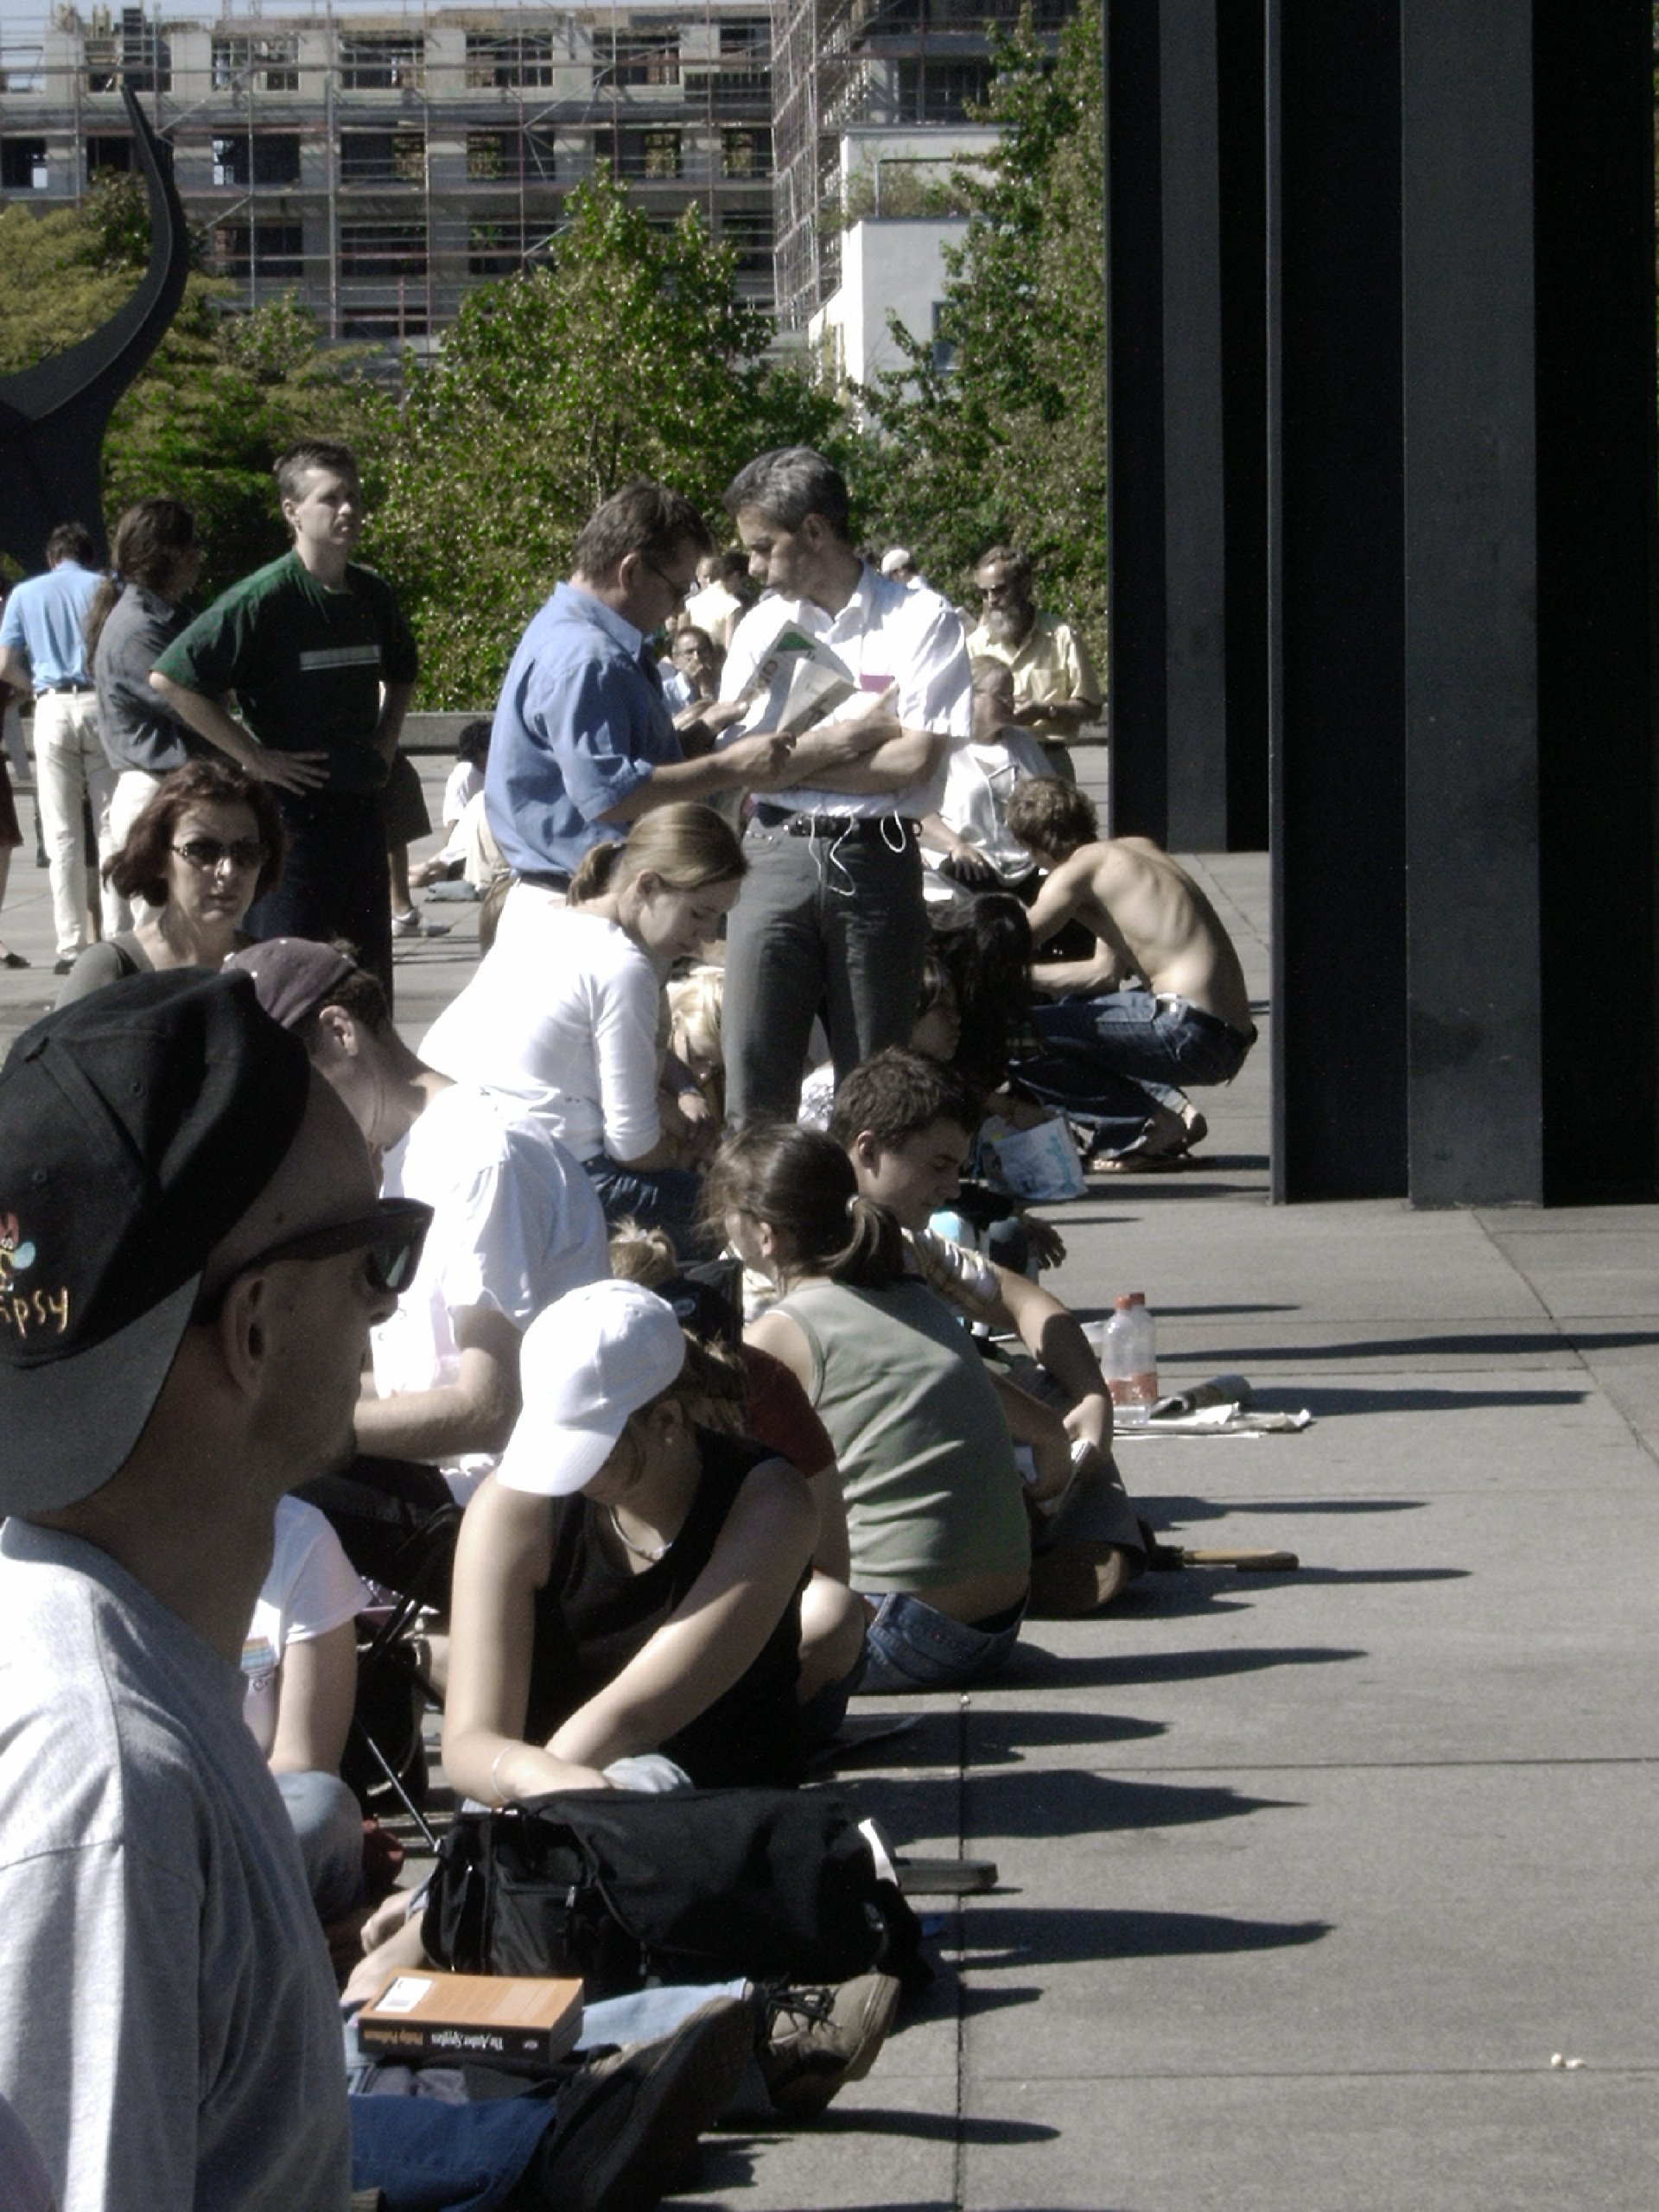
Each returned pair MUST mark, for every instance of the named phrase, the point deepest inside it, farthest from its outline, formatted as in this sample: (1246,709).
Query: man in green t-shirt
(322,666)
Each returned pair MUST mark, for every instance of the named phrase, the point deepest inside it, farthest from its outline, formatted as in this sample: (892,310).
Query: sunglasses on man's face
(207,853)
(390,1239)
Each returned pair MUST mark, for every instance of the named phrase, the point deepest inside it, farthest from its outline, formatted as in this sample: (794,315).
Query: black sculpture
(52,416)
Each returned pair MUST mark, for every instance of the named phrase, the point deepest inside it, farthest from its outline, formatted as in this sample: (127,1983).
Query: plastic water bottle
(1128,1358)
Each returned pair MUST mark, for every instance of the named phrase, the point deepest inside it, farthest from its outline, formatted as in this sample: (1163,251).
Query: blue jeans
(908,1646)
(1158,1040)
(663,1198)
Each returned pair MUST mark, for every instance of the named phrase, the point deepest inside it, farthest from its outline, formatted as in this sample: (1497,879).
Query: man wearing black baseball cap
(191,1255)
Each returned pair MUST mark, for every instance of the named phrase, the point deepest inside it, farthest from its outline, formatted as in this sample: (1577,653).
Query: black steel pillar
(1462,506)
(1185,154)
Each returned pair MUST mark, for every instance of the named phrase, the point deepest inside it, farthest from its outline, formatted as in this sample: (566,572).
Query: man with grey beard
(1055,688)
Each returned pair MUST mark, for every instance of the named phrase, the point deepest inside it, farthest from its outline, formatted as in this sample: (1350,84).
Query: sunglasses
(208,853)
(390,1239)
(682,592)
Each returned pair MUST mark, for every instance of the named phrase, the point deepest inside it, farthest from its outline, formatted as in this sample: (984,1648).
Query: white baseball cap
(588,1363)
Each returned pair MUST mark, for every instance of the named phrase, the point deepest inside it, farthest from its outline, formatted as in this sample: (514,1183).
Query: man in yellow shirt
(1055,688)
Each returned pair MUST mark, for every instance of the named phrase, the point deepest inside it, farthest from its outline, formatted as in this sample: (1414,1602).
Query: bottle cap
(1124,1302)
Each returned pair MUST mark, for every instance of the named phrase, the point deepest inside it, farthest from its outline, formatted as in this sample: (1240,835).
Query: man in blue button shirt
(583,741)
(43,649)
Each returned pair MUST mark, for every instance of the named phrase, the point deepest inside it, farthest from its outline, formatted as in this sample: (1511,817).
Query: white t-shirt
(515,1224)
(466,781)
(563,1017)
(888,633)
(979,781)
(312,1588)
(168,2030)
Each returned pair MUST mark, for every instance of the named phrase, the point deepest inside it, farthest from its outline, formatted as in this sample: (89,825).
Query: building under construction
(838,63)
(379,163)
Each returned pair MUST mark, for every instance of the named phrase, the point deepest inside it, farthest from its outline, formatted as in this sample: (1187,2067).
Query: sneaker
(817,2039)
(412,925)
(627,2125)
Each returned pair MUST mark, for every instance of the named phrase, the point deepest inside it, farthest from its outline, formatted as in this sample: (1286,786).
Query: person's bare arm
(14,672)
(395,699)
(902,757)
(965,862)
(714,1635)
(475,1413)
(289,772)
(502,1560)
(1053,1336)
(1070,713)
(747,763)
(316,1694)
(1040,1429)
(1066,890)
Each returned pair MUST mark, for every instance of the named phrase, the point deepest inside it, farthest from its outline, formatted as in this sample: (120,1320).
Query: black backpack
(695,1885)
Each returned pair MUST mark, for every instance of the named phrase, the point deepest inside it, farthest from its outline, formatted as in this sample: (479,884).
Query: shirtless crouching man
(1161,1004)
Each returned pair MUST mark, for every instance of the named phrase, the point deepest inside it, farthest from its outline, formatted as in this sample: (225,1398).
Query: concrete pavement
(1304,1878)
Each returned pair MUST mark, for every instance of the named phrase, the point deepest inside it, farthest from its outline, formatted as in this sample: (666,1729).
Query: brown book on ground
(511,2020)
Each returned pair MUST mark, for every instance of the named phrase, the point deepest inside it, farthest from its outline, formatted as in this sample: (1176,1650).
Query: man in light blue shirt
(583,741)
(43,649)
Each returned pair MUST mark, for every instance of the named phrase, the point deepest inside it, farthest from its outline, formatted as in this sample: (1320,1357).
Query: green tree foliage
(629,354)
(218,401)
(1008,443)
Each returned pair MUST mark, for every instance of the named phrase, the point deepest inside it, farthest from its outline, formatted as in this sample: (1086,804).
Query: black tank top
(591,1617)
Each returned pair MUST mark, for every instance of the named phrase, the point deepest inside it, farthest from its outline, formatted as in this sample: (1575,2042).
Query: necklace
(639,1551)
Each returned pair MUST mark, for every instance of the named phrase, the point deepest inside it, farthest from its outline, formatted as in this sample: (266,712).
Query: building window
(942,92)
(637,57)
(381,252)
(748,231)
(383,157)
(275,249)
(137,54)
(497,60)
(647,154)
(272,158)
(24,70)
(509,156)
(381,62)
(264,63)
(104,154)
(943,355)
(23,165)
(743,68)
(746,149)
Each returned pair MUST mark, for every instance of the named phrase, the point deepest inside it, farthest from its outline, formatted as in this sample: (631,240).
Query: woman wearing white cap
(657,1608)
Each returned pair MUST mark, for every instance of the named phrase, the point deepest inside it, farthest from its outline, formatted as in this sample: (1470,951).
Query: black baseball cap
(137,1125)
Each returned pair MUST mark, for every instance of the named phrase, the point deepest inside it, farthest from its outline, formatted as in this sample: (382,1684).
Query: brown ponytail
(594,872)
(801,1184)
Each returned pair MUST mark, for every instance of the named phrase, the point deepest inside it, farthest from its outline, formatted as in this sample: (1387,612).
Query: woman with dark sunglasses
(208,844)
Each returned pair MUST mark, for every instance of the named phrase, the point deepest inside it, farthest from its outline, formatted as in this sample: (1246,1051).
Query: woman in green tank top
(935,1507)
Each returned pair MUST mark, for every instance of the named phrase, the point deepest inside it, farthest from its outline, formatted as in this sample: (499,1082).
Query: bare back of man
(1152,923)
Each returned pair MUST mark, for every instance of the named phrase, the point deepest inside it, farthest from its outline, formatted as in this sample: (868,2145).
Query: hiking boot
(627,2125)
(1073,1580)
(817,2039)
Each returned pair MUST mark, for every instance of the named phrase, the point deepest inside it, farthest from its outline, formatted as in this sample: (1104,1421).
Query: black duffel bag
(621,1887)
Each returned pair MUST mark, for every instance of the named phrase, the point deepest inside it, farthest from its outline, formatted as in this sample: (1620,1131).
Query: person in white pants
(43,643)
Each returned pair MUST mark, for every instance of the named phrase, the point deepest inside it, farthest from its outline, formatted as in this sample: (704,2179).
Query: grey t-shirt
(137,730)
(169,2029)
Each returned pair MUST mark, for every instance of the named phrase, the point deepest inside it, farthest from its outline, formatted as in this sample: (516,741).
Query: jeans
(908,1646)
(836,920)
(659,1198)
(428,2152)
(70,765)
(335,883)
(328,1821)
(1160,1040)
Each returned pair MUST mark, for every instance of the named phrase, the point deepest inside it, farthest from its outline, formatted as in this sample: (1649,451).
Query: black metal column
(1337,618)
